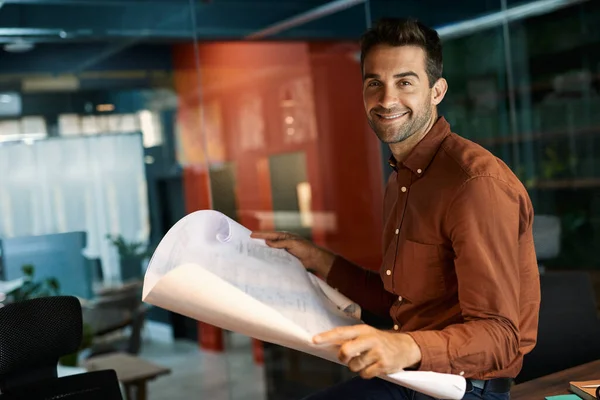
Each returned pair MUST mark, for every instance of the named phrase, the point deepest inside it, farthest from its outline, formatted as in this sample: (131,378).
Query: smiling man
(459,277)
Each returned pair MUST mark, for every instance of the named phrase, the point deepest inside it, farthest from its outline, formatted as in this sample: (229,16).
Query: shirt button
(419,171)
(397,231)
(388,272)
(403,188)
(462,373)
(400,299)
(396,327)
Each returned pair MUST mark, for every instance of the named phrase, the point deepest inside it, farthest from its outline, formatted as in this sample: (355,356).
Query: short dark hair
(406,32)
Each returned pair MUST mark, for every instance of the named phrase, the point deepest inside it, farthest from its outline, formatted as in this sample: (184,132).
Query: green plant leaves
(32,289)
(129,250)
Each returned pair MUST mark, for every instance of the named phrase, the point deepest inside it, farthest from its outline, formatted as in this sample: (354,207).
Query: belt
(496,385)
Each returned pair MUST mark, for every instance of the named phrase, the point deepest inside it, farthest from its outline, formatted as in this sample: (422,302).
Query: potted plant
(131,255)
(32,289)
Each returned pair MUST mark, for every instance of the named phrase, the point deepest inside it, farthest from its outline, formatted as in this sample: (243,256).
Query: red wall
(343,160)
(350,168)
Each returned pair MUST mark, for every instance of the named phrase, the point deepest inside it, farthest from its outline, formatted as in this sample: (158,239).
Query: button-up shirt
(459,270)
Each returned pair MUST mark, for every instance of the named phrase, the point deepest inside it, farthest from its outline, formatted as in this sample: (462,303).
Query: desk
(133,372)
(555,384)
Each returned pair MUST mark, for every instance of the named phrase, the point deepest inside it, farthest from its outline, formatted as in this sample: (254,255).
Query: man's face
(396,92)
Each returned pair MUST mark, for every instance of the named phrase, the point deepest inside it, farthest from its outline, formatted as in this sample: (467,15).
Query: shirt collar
(421,156)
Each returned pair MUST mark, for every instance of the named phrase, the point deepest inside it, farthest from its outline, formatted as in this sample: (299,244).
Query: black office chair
(34,334)
(569,329)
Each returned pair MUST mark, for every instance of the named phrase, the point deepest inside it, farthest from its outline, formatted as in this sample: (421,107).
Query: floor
(204,375)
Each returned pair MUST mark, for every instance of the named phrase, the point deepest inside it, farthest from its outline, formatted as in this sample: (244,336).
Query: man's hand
(309,254)
(372,352)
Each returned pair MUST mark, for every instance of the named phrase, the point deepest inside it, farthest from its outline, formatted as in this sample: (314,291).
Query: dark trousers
(378,389)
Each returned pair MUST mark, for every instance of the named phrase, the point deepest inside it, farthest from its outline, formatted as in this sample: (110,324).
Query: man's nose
(388,99)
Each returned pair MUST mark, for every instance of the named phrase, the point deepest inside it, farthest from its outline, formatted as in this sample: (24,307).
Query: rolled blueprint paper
(208,268)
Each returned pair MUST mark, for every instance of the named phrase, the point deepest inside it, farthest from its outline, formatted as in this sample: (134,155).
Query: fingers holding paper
(310,255)
(372,352)
(276,237)
(284,240)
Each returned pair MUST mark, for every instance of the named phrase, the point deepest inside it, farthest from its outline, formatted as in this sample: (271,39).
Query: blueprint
(207,267)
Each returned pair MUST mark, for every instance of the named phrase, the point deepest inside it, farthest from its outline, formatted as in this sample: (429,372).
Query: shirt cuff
(434,351)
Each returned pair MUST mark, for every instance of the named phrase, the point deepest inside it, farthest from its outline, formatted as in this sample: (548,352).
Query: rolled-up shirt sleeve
(483,223)
(362,286)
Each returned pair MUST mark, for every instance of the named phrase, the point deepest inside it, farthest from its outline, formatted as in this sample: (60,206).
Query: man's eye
(405,83)
(373,84)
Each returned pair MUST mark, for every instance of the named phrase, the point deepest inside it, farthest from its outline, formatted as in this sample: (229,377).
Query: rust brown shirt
(459,270)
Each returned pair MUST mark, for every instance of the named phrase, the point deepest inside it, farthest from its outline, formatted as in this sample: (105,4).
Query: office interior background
(119,117)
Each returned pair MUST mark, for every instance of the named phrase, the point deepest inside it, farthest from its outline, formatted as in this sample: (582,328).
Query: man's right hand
(310,255)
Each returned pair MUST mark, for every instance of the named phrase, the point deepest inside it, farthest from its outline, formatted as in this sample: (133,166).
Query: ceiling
(76,36)
(42,21)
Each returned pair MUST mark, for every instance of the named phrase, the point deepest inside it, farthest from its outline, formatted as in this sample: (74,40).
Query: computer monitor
(55,255)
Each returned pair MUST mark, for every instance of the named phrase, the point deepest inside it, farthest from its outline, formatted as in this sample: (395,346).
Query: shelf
(573,183)
(535,136)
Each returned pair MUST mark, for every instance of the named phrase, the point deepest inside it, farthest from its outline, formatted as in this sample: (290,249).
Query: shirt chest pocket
(419,271)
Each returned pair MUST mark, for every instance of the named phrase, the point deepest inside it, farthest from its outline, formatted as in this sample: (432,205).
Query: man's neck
(402,149)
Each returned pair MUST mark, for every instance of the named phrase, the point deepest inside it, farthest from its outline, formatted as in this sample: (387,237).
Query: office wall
(260,102)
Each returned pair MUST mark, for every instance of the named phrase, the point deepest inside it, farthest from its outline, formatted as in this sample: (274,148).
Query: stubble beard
(396,134)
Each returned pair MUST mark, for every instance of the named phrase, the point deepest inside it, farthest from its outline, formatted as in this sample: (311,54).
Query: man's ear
(438,91)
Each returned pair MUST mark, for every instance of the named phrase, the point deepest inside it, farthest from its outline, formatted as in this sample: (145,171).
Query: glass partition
(557,106)
(133,114)
(282,144)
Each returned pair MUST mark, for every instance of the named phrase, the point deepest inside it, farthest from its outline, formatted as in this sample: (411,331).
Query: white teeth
(392,116)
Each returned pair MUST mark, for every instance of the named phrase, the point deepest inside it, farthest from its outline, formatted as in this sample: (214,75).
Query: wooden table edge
(556,383)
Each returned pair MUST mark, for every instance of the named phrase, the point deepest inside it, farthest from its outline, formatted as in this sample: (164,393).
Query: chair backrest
(129,298)
(569,328)
(34,334)
(97,385)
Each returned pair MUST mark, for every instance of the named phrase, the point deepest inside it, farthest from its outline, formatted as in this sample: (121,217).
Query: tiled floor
(203,375)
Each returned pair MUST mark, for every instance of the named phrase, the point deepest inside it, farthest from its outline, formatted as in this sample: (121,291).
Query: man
(459,275)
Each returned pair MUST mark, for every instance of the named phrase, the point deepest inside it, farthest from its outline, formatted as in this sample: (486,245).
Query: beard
(401,130)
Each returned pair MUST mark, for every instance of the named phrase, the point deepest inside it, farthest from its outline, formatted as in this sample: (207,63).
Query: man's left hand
(372,352)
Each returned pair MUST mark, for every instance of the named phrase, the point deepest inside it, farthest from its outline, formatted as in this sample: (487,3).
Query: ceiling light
(105,107)
(19,46)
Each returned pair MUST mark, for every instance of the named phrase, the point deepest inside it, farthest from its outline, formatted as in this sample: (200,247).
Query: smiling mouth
(391,117)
